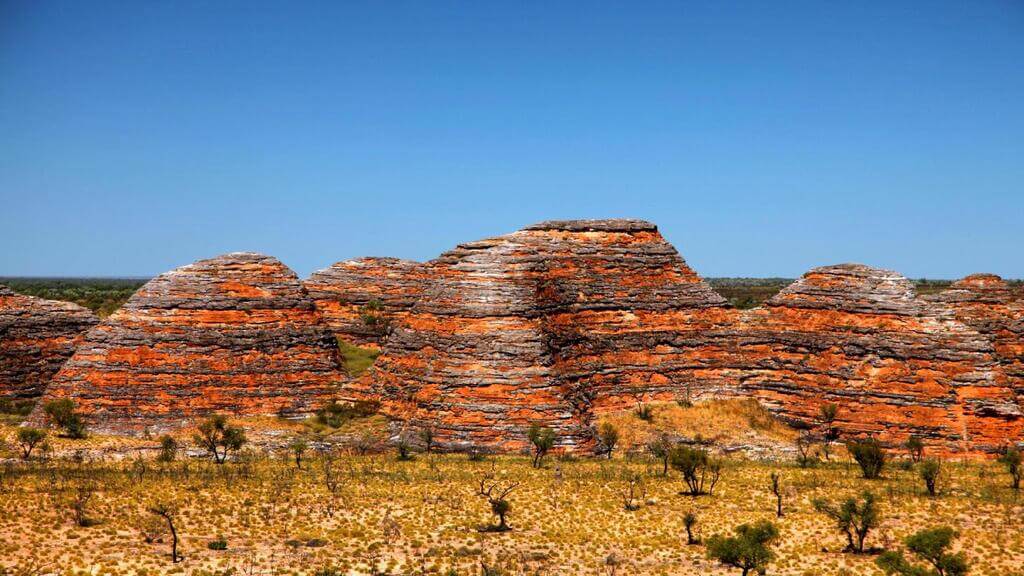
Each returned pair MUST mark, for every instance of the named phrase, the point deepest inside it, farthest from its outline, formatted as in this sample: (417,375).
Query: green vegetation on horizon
(105,295)
(101,295)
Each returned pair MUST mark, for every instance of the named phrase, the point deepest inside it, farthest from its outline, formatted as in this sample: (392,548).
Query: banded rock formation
(895,365)
(360,299)
(36,337)
(235,334)
(552,324)
(987,304)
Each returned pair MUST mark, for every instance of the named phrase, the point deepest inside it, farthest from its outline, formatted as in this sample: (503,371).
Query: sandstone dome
(235,334)
(36,337)
(553,324)
(896,365)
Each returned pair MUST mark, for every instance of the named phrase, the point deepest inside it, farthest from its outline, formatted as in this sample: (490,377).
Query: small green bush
(62,413)
(869,456)
(931,546)
(748,550)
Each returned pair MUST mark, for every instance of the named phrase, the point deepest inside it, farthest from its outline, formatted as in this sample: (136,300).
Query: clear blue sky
(764,138)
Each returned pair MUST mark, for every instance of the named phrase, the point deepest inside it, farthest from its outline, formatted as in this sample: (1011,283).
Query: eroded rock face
(235,334)
(895,365)
(36,337)
(553,325)
(987,304)
(360,299)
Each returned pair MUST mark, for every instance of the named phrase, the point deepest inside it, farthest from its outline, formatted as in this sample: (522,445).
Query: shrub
(634,492)
(218,437)
(748,550)
(168,449)
(476,454)
(29,438)
(15,407)
(336,414)
(699,470)
(661,448)
(62,413)
(78,501)
(542,439)
(298,447)
(219,544)
(644,412)
(1011,459)
(404,450)
(427,437)
(829,433)
(855,519)
(806,456)
(930,471)
(915,448)
(869,456)
(931,546)
(608,437)
(690,523)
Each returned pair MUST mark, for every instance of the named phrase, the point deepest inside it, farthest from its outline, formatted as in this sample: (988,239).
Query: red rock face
(36,337)
(360,299)
(987,304)
(894,364)
(235,334)
(550,325)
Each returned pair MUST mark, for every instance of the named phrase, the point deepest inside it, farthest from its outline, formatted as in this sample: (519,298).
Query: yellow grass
(424,516)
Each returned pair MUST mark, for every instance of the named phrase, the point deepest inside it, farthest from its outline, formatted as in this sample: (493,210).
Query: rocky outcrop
(895,365)
(235,334)
(553,325)
(986,303)
(36,337)
(360,299)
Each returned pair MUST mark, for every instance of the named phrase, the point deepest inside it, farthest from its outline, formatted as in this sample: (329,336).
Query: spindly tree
(853,518)
(218,437)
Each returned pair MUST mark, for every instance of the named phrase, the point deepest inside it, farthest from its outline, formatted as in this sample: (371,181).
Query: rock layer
(36,337)
(235,334)
(894,364)
(552,325)
(360,299)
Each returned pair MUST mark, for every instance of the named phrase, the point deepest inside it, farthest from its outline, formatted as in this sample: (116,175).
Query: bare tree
(81,494)
(168,512)
(633,492)
(495,494)
(777,490)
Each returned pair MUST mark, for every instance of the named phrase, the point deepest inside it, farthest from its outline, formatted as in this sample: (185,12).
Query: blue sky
(764,138)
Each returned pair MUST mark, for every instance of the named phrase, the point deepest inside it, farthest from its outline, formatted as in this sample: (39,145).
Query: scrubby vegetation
(356,359)
(101,295)
(306,499)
